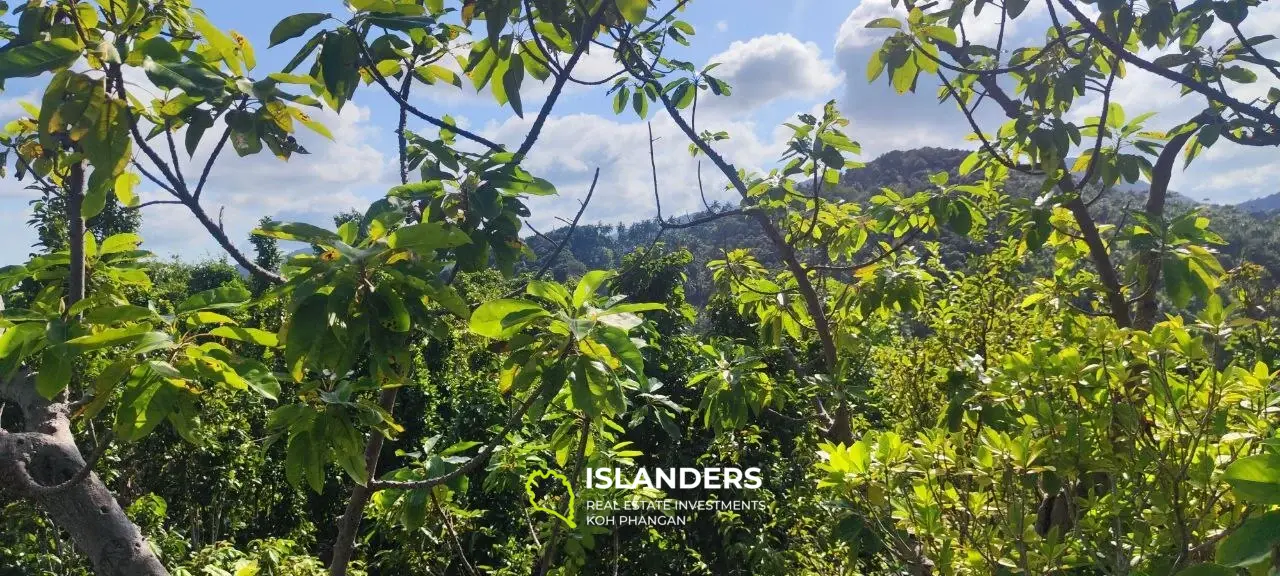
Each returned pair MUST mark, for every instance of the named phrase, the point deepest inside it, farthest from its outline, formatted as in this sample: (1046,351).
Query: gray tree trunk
(35,462)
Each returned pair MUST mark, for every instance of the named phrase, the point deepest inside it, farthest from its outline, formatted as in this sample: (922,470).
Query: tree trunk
(1149,262)
(349,525)
(75,233)
(45,455)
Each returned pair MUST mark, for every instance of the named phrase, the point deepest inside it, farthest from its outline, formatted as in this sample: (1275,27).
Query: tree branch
(1204,89)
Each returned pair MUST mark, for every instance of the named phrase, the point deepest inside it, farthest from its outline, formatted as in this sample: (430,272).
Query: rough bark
(34,464)
(75,233)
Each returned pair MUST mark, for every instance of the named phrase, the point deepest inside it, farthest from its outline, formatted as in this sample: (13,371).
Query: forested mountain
(1250,233)
(1263,205)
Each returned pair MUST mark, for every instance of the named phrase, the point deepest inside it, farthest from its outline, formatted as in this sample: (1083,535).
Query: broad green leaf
(884,23)
(620,99)
(511,80)
(339,63)
(294,26)
(259,377)
(549,291)
(580,388)
(115,314)
(223,44)
(230,296)
(633,10)
(250,335)
(502,319)
(1256,479)
(36,58)
(110,337)
(589,284)
(298,231)
(117,243)
(622,347)
(124,185)
(391,310)
(194,79)
(1252,542)
(55,372)
(427,236)
(413,512)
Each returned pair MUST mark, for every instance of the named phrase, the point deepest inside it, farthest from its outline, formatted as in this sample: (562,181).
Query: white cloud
(768,68)
(722,26)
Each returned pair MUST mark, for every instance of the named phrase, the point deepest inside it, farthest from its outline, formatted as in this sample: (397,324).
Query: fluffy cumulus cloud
(771,67)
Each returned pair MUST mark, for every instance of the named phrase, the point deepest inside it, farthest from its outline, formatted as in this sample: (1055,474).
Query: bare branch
(572,227)
(395,95)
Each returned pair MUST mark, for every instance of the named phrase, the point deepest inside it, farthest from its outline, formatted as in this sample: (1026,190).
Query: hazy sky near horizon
(782,58)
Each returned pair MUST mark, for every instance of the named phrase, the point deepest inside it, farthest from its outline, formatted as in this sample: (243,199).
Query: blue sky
(782,58)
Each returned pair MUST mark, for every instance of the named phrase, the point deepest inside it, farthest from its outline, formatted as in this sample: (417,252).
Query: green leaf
(1256,479)
(549,291)
(298,231)
(413,512)
(251,335)
(259,377)
(427,236)
(1252,542)
(110,337)
(221,43)
(941,34)
(620,99)
(511,81)
(622,347)
(633,10)
(339,62)
(123,187)
(295,26)
(392,311)
(640,103)
(580,389)
(1240,74)
(875,66)
(589,284)
(55,372)
(194,79)
(230,296)
(502,319)
(117,314)
(893,23)
(36,58)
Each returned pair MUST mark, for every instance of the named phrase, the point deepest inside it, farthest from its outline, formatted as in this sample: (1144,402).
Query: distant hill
(1263,205)
(1249,233)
